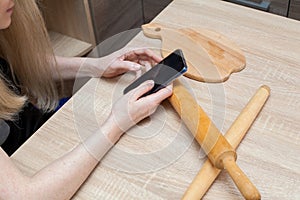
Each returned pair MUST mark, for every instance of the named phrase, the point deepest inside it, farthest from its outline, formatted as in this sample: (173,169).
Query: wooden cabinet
(287,8)
(279,7)
(111,17)
(152,8)
(70,26)
(294,9)
(76,26)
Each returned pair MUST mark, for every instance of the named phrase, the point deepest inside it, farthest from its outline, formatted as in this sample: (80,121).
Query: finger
(142,54)
(138,73)
(148,66)
(131,56)
(143,62)
(144,59)
(161,95)
(142,89)
(130,66)
(148,53)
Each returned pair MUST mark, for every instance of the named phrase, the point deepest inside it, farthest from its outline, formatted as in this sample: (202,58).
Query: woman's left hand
(117,65)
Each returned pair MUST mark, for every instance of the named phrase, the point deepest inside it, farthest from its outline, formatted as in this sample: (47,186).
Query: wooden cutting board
(210,56)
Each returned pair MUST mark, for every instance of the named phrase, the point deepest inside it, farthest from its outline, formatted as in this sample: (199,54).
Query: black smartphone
(163,73)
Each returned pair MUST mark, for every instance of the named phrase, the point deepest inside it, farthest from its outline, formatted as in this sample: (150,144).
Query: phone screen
(163,73)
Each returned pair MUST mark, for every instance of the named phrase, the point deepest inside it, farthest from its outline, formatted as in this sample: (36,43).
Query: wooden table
(158,159)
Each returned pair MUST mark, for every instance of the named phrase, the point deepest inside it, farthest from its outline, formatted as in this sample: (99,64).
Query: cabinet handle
(263,5)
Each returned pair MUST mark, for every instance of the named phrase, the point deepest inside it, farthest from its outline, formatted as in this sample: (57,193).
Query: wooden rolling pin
(234,135)
(214,144)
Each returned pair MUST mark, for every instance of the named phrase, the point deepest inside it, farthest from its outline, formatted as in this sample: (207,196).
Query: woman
(28,71)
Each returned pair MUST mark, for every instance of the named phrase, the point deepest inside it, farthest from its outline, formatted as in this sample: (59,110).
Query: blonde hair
(10,103)
(26,47)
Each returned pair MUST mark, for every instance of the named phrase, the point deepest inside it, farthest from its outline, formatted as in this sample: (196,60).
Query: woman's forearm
(62,178)
(72,67)
(78,67)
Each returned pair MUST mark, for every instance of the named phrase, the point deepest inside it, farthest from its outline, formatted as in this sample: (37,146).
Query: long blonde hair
(26,47)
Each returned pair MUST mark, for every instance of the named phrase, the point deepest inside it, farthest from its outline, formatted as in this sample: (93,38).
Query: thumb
(142,89)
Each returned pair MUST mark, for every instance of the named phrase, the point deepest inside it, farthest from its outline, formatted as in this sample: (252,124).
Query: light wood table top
(158,159)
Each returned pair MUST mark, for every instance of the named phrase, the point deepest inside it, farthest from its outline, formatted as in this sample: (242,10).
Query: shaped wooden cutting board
(210,56)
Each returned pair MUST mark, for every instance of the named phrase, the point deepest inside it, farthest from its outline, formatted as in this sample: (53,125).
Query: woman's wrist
(99,143)
(111,129)
(91,68)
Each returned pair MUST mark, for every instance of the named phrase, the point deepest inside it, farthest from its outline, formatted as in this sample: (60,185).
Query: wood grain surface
(62,45)
(219,151)
(210,56)
(237,131)
(158,159)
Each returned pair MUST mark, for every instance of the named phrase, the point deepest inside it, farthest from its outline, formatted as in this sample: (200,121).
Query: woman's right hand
(132,108)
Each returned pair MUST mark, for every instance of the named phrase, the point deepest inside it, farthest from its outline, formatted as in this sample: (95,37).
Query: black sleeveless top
(14,133)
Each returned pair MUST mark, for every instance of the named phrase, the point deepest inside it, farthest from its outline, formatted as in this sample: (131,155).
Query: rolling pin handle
(242,182)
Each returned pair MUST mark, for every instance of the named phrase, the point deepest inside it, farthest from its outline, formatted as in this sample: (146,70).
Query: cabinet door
(69,17)
(295,9)
(111,17)
(279,7)
(153,8)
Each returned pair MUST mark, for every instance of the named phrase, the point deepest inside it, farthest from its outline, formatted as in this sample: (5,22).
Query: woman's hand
(132,108)
(114,64)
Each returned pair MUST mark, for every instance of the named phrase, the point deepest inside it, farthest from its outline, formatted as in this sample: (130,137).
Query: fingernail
(149,82)
(136,67)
